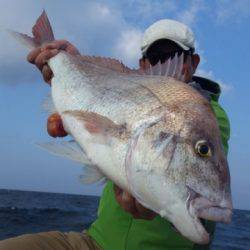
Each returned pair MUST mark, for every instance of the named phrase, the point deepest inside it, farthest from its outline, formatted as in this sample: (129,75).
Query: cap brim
(145,48)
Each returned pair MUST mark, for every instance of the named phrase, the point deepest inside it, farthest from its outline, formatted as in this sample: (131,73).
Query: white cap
(168,29)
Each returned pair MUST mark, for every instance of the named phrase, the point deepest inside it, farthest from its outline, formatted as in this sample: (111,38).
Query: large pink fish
(154,136)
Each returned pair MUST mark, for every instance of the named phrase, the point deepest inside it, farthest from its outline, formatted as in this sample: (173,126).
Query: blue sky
(114,29)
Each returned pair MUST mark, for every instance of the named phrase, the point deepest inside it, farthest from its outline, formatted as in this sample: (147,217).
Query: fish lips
(215,214)
(201,207)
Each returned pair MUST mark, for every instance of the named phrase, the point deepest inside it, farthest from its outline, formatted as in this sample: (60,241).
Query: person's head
(163,40)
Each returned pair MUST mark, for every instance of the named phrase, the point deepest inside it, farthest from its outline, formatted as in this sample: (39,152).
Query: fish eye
(202,149)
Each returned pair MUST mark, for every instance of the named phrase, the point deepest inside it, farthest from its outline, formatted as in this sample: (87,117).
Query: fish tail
(42,33)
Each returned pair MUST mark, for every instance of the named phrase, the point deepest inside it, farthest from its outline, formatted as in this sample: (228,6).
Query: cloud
(225,87)
(141,12)
(189,15)
(230,10)
(128,46)
(207,74)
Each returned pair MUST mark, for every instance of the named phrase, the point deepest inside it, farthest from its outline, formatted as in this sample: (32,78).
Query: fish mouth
(200,207)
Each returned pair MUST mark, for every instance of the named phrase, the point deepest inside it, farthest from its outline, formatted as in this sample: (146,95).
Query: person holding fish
(123,222)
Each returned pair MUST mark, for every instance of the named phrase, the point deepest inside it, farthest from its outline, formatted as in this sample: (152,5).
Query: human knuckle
(46,78)
(48,54)
(38,62)
(51,119)
(64,41)
(32,55)
(126,199)
(30,58)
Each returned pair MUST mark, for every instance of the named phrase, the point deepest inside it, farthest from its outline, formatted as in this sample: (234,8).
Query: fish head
(178,168)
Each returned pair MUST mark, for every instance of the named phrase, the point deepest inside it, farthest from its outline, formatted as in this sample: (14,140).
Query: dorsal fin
(110,63)
(171,67)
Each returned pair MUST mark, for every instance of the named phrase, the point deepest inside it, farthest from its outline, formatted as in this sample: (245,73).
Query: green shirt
(116,229)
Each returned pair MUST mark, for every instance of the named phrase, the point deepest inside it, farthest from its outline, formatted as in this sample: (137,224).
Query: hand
(132,206)
(40,56)
(55,126)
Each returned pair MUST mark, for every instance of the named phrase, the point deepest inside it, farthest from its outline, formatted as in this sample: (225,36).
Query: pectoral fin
(73,151)
(67,149)
(98,124)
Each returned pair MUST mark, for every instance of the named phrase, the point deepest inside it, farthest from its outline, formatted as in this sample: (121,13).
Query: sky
(114,29)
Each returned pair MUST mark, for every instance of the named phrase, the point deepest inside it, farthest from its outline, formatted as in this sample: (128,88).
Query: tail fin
(41,31)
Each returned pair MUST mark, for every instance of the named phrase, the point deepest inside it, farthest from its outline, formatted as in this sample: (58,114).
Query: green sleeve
(223,123)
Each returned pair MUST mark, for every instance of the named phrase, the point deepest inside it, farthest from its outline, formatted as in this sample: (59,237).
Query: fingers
(72,50)
(41,63)
(47,73)
(55,126)
(130,205)
(118,191)
(44,56)
(40,58)
(33,55)
(58,44)
(125,200)
(61,45)
(144,213)
(52,46)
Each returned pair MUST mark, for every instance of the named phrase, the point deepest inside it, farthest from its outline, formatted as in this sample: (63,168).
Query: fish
(150,133)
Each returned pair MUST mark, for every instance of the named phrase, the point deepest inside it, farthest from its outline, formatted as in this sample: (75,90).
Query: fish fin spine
(170,68)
